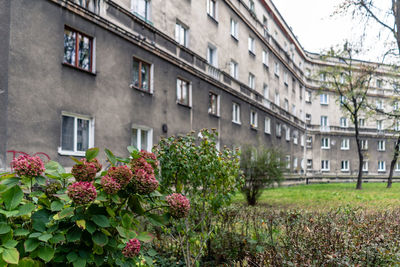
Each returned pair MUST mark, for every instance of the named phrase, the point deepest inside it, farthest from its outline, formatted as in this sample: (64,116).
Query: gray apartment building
(112,73)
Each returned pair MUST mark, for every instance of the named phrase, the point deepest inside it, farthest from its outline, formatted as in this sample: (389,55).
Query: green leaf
(57,238)
(110,157)
(101,220)
(126,221)
(27,262)
(122,231)
(11,256)
(4,228)
(81,224)
(10,243)
(21,232)
(79,263)
(135,206)
(45,237)
(26,209)
(123,160)
(56,206)
(68,212)
(46,253)
(100,239)
(145,237)
(9,213)
(90,227)
(91,153)
(31,244)
(131,149)
(40,180)
(10,182)
(157,220)
(72,256)
(35,235)
(74,234)
(77,161)
(42,215)
(12,197)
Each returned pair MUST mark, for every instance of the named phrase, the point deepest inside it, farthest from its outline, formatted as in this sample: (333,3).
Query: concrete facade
(39,87)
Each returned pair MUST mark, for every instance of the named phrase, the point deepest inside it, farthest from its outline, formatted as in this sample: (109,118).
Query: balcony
(213,72)
(91,5)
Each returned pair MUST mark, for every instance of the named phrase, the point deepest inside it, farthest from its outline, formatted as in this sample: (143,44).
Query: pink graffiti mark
(18,153)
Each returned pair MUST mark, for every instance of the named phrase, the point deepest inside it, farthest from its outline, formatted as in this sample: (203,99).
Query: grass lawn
(327,196)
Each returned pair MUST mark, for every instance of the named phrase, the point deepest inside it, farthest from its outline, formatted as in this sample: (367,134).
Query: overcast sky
(317,30)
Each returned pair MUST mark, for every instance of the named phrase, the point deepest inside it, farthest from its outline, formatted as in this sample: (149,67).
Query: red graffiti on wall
(42,155)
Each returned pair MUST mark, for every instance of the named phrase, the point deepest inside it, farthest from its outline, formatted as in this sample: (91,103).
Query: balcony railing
(91,5)
(213,72)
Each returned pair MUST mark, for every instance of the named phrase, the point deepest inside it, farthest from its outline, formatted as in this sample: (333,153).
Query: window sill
(235,38)
(277,75)
(77,68)
(71,153)
(237,123)
(325,170)
(382,171)
(268,133)
(251,53)
(266,66)
(253,127)
(212,18)
(344,148)
(381,150)
(325,148)
(324,104)
(214,115)
(140,90)
(345,170)
(183,105)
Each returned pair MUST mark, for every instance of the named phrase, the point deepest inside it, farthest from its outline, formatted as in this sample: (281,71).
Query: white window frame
(234,29)
(286,105)
(181,29)
(287,133)
(277,68)
(189,92)
(324,121)
(278,129)
(381,145)
(325,165)
(344,122)
(285,78)
(218,104)
(212,12)
(345,166)
(365,166)
(379,125)
(265,59)
(324,99)
(381,163)
(295,137)
(277,99)
(236,113)
(325,143)
(364,144)
(361,122)
(212,55)
(295,164)
(75,152)
(345,144)
(253,119)
(252,80)
(397,168)
(140,128)
(234,69)
(302,140)
(379,104)
(251,45)
(267,125)
(287,161)
(135,9)
(308,96)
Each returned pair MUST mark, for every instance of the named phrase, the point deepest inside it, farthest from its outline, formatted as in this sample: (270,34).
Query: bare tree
(350,79)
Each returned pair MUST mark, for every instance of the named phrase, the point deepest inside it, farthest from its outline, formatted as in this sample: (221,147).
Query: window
(343,122)
(212,55)
(212,8)
(278,130)
(252,81)
(302,140)
(365,166)
(324,121)
(78,49)
(325,144)
(396,106)
(308,118)
(295,163)
(267,125)
(251,45)
(183,92)
(234,29)
(277,68)
(142,138)
(295,137)
(141,8)
(253,119)
(325,165)
(381,145)
(396,87)
(379,125)
(91,5)
(379,83)
(77,134)
(379,104)
(287,133)
(265,60)
(309,164)
(213,104)
(324,99)
(308,96)
(397,169)
(181,34)
(286,104)
(141,76)
(381,166)
(236,113)
(342,100)
(364,144)
(309,141)
(277,98)
(265,91)
(285,78)
(361,122)
(345,166)
(287,162)
(345,144)
(342,78)
(234,69)
(322,77)
(251,6)
(294,109)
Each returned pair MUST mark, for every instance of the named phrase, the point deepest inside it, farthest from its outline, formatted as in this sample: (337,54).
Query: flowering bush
(144,182)
(28,166)
(110,185)
(132,248)
(179,205)
(122,174)
(82,193)
(84,172)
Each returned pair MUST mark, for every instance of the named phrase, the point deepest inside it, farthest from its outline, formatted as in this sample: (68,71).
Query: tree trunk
(393,162)
(360,155)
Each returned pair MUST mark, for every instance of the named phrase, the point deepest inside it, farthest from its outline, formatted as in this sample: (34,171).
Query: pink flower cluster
(179,205)
(85,172)
(149,155)
(82,193)
(96,164)
(122,174)
(132,248)
(144,180)
(28,166)
(110,185)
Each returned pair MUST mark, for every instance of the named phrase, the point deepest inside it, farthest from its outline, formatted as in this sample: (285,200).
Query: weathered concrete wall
(4,50)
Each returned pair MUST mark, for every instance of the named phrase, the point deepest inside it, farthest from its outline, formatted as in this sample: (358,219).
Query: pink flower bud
(132,248)
(85,172)
(110,185)
(82,193)
(122,174)
(28,166)
(179,205)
